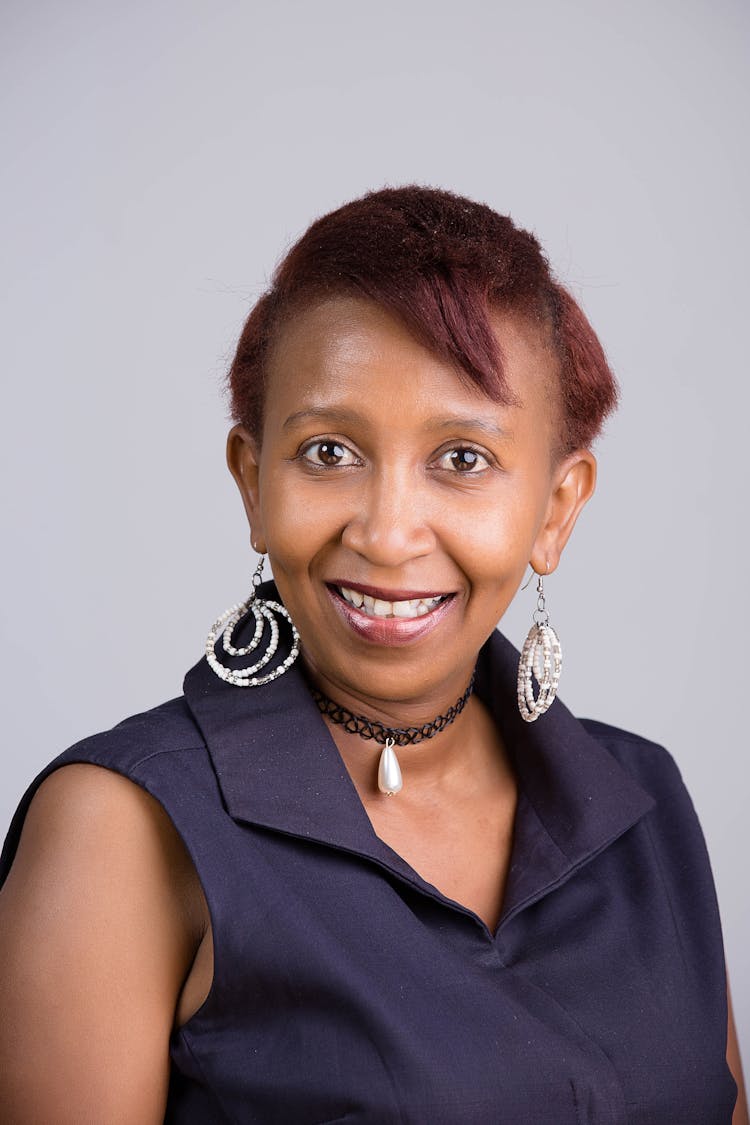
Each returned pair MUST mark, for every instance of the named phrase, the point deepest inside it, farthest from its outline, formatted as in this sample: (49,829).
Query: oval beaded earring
(263,611)
(541,660)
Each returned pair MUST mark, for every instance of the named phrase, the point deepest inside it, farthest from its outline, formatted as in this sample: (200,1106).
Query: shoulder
(100,804)
(648,762)
(135,746)
(166,729)
(91,833)
(673,824)
(675,846)
(85,822)
(673,827)
(129,752)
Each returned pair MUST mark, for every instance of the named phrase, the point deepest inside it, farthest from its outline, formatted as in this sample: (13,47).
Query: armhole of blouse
(13,838)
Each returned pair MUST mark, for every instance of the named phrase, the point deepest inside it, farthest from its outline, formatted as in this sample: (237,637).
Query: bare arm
(740,1116)
(99,923)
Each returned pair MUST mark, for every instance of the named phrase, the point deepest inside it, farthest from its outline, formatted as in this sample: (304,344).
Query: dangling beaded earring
(262,610)
(541,659)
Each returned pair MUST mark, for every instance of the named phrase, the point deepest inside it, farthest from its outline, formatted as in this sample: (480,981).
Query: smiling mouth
(404,610)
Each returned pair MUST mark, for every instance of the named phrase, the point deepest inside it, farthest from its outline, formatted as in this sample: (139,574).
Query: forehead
(347,348)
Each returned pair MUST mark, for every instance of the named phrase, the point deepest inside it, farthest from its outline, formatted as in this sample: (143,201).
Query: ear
(573,483)
(243,459)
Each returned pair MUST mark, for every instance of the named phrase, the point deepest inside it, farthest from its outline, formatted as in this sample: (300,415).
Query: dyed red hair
(442,264)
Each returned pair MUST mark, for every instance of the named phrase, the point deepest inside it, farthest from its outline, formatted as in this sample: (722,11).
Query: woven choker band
(399,736)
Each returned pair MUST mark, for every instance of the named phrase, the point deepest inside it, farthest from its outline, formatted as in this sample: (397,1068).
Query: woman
(366,868)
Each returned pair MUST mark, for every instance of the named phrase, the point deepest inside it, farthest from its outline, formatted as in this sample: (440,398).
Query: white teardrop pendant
(389,771)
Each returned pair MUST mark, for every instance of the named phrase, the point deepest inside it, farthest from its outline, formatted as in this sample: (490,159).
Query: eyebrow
(483,424)
(330,414)
(351,417)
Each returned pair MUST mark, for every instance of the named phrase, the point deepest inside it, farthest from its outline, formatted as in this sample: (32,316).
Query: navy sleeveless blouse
(347,988)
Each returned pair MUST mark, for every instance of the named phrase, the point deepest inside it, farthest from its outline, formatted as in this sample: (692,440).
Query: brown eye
(461,459)
(330,453)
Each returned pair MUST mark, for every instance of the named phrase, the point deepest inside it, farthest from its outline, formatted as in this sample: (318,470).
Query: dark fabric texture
(348,989)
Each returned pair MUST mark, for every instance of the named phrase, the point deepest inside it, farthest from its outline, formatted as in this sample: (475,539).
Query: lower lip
(390,631)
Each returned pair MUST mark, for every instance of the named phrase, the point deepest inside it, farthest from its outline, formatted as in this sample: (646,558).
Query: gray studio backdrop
(157,158)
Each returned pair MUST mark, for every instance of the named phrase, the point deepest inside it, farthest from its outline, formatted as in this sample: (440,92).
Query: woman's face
(383,476)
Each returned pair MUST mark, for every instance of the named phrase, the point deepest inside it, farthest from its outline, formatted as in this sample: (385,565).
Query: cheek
(498,540)
(298,520)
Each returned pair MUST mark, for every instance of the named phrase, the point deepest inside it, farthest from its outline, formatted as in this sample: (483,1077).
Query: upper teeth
(376,607)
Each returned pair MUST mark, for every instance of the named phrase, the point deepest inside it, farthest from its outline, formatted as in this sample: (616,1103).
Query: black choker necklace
(389,772)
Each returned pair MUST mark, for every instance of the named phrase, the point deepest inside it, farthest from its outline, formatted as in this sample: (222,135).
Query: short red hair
(441,263)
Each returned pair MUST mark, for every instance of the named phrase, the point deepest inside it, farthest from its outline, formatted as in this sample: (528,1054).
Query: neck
(464,760)
(372,730)
(395,712)
(461,754)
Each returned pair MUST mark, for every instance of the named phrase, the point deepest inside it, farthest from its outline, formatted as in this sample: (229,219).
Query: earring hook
(533,572)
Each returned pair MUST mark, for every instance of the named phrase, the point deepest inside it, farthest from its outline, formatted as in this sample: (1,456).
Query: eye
(463,459)
(328,453)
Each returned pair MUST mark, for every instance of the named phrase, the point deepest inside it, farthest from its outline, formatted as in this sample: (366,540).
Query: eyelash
(306,450)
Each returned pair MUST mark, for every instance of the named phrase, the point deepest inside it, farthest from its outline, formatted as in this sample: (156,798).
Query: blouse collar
(279,768)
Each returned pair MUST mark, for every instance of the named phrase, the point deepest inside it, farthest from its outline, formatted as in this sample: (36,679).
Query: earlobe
(243,459)
(574,484)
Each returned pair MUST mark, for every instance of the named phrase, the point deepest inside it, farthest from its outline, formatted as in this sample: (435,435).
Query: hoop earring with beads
(263,610)
(541,660)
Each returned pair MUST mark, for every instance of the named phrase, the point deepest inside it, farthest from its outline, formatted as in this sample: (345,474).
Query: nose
(392,524)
